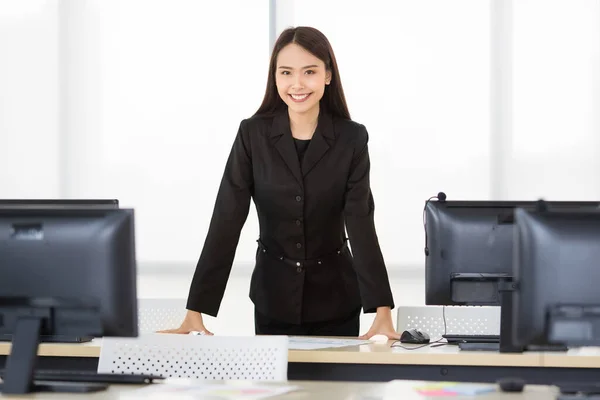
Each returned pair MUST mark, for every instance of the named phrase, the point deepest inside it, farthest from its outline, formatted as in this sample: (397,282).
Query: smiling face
(300,78)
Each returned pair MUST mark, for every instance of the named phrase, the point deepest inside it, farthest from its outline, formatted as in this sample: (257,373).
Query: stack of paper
(314,343)
(202,390)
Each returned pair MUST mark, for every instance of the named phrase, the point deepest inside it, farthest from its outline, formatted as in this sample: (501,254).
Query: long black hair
(313,41)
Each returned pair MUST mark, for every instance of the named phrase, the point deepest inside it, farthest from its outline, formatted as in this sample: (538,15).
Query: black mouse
(414,336)
(511,384)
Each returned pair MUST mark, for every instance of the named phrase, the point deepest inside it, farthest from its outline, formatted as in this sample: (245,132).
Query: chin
(301,108)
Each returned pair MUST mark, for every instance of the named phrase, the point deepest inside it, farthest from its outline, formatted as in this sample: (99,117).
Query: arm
(228,218)
(359,214)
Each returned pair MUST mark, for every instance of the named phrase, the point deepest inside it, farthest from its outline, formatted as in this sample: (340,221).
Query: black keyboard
(491,346)
(579,387)
(53,339)
(454,339)
(479,346)
(577,397)
(91,377)
(547,347)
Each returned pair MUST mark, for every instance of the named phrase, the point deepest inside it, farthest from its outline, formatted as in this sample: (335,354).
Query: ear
(328,78)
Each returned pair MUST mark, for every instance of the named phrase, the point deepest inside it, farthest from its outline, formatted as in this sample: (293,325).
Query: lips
(299,98)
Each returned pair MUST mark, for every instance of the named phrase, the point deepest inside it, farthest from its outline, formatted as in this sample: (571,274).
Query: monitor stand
(20,364)
(506,344)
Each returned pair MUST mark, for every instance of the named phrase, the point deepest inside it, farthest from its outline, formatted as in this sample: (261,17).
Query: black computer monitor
(59,203)
(63,272)
(557,273)
(469,253)
(470,248)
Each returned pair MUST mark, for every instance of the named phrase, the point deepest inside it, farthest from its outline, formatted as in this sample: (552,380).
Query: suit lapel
(319,143)
(281,135)
(284,143)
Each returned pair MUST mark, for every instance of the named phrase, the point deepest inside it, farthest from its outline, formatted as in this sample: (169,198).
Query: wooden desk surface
(324,391)
(364,354)
(585,357)
(90,349)
(385,354)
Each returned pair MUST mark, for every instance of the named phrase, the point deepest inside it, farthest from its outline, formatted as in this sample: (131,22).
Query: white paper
(315,343)
(212,391)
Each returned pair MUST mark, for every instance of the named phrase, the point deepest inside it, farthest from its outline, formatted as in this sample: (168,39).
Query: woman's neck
(303,125)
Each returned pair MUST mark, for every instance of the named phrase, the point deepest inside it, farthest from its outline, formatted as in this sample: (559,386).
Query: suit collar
(281,124)
(319,145)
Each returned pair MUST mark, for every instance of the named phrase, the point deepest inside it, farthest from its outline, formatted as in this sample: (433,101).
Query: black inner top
(301,146)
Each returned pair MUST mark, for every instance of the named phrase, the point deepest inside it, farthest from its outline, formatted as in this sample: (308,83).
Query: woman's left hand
(382,325)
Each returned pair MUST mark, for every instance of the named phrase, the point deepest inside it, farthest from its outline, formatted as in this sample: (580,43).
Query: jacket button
(298,222)
(299,269)
(298,245)
(298,198)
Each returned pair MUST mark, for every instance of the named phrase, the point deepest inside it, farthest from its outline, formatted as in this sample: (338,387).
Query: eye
(285,72)
(310,72)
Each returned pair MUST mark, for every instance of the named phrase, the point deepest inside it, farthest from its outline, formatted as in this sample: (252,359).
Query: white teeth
(299,96)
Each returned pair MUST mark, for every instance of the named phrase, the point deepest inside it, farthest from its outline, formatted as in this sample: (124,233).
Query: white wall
(555,150)
(156,97)
(417,74)
(29,93)
(479,98)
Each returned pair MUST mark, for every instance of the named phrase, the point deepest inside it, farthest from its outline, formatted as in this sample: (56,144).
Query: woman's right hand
(191,322)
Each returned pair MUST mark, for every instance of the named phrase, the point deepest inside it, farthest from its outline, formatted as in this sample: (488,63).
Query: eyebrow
(308,66)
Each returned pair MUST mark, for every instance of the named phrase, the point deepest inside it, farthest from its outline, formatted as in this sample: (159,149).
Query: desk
(380,363)
(582,358)
(319,391)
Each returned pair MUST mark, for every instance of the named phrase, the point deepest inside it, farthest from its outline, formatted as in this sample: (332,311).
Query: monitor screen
(470,248)
(557,271)
(64,272)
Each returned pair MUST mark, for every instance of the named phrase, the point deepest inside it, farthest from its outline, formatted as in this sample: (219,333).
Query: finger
(367,335)
(201,332)
(176,331)
(167,331)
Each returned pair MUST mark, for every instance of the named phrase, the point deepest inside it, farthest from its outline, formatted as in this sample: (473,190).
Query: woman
(306,166)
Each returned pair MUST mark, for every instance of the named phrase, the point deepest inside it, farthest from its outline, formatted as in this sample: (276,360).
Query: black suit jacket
(303,272)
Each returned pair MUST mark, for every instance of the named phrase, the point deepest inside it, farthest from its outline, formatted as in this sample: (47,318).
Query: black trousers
(347,326)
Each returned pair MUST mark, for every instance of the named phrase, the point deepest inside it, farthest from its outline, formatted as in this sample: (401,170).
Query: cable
(419,347)
(441,196)
(444,318)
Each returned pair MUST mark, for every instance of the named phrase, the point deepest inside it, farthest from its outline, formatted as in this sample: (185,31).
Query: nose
(298,82)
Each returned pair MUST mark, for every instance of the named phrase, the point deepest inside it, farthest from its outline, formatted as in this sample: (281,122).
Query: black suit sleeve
(359,215)
(229,215)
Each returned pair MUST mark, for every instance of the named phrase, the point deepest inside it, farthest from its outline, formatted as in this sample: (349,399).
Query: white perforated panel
(462,320)
(200,357)
(158,314)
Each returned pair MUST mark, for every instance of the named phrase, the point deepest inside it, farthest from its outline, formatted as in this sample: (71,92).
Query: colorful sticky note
(453,389)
